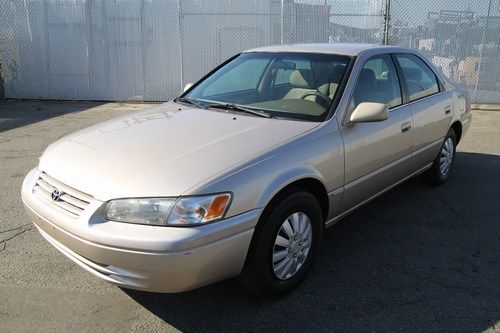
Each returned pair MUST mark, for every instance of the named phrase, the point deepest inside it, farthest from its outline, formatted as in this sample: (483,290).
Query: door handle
(447,110)
(405,127)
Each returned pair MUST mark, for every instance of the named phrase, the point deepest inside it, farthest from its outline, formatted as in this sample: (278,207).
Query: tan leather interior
(325,80)
(331,81)
(302,78)
(302,82)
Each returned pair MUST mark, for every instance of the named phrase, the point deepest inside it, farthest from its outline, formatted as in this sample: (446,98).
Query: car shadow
(14,114)
(418,258)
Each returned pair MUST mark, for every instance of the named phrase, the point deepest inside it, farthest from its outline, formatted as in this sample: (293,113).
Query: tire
(435,175)
(263,277)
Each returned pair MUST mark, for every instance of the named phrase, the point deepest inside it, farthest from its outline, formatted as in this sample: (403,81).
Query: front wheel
(440,170)
(284,245)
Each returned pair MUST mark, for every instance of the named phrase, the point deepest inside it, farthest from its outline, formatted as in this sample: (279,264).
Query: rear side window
(420,79)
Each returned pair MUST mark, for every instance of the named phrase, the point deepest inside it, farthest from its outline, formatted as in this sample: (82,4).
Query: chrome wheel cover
(446,156)
(292,245)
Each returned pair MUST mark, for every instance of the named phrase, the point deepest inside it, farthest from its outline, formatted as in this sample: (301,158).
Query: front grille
(71,202)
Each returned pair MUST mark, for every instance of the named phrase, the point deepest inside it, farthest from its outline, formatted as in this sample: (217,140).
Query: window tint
(420,79)
(232,81)
(378,82)
(283,75)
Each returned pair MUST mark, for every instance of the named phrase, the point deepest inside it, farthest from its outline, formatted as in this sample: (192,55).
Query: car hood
(162,151)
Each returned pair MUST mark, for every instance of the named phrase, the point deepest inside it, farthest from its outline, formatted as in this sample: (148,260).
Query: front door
(377,155)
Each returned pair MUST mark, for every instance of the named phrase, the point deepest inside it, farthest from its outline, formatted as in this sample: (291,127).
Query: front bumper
(160,259)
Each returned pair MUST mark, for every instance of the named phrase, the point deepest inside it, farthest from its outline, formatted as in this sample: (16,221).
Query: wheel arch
(457,127)
(310,183)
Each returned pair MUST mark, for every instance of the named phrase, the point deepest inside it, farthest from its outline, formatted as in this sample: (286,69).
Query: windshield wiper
(190,101)
(238,108)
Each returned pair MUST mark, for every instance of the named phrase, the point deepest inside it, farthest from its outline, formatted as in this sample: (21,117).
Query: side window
(283,75)
(378,82)
(420,79)
(232,81)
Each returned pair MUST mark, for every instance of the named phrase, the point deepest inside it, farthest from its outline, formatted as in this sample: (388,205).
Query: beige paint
(173,150)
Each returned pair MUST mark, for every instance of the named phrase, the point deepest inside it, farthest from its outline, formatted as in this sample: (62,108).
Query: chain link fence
(148,49)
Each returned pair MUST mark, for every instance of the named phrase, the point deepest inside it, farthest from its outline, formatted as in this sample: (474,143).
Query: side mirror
(187,86)
(368,112)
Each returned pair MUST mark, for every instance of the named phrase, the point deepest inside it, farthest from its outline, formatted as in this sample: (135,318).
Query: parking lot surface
(415,259)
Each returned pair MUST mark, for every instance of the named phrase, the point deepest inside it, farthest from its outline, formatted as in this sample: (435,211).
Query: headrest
(301,78)
(367,80)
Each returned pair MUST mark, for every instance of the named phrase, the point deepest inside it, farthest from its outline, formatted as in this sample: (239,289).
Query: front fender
(283,179)
(320,156)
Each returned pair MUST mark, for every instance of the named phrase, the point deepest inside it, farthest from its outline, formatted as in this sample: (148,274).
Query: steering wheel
(325,100)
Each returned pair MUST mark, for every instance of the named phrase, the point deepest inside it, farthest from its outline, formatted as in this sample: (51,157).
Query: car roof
(348,49)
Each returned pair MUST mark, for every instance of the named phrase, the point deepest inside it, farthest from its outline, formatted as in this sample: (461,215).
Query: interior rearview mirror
(187,86)
(368,112)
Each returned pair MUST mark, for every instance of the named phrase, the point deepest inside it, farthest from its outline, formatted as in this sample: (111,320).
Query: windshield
(289,85)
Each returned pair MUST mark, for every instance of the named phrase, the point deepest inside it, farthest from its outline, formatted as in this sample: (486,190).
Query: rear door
(376,154)
(431,106)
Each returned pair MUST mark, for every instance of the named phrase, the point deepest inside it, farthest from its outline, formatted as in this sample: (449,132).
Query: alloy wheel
(446,156)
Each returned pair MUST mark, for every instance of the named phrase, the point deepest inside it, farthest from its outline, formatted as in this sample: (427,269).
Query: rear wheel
(441,168)
(284,245)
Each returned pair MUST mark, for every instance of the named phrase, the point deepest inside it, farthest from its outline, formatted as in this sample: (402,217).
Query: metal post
(181,39)
(387,17)
(2,91)
(325,24)
(282,21)
(486,26)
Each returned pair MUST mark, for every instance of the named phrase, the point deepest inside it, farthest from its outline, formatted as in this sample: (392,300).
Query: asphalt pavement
(416,259)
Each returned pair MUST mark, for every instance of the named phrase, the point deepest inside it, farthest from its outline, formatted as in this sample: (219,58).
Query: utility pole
(387,18)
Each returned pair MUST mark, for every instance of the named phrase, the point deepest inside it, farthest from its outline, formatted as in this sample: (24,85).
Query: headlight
(198,210)
(141,211)
(185,211)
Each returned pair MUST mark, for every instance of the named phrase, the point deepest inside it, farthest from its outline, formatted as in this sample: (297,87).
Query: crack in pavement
(16,228)
(3,243)
(449,206)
